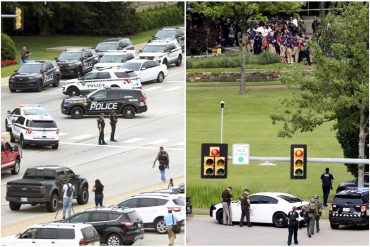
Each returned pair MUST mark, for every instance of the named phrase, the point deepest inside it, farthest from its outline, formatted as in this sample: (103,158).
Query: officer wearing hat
(319,212)
(293,226)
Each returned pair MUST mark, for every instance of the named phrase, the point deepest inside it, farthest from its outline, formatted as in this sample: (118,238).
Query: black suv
(171,33)
(127,102)
(350,207)
(353,184)
(77,62)
(35,75)
(113,44)
(115,226)
(189,205)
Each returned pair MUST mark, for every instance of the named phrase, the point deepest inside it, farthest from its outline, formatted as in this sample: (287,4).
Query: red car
(10,157)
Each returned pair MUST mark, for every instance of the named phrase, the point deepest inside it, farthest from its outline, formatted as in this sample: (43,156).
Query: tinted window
(268,200)
(30,68)
(98,216)
(17,111)
(41,124)
(134,216)
(179,201)
(70,56)
(40,173)
(112,216)
(134,93)
(147,202)
(35,111)
(103,75)
(130,203)
(20,120)
(68,172)
(255,199)
(348,200)
(30,233)
(65,233)
(125,74)
(115,94)
(289,199)
(131,66)
(90,76)
(89,233)
(99,95)
(80,218)
(47,233)
(107,46)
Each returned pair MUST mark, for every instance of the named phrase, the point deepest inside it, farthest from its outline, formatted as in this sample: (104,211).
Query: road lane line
(151,88)
(132,140)
(115,146)
(173,88)
(179,144)
(158,141)
(81,137)
(63,134)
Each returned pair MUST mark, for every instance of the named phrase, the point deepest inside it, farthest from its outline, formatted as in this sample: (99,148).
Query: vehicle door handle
(53,242)
(33,242)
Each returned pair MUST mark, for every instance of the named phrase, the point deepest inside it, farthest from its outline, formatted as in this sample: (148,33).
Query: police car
(121,78)
(35,130)
(23,110)
(35,74)
(113,44)
(163,51)
(76,62)
(147,70)
(127,102)
(176,33)
(115,59)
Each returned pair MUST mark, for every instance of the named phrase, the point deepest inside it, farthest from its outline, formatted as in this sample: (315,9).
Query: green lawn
(38,44)
(246,120)
(232,84)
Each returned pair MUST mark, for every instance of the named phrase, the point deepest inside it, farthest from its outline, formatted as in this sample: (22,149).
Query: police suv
(127,102)
(113,44)
(115,59)
(76,62)
(23,110)
(163,52)
(35,74)
(120,78)
(176,33)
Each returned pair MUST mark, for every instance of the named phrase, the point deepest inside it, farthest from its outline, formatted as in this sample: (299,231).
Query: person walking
(164,162)
(245,206)
(312,212)
(319,212)
(113,123)
(226,205)
(68,190)
(101,126)
(171,221)
(98,189)
(293,226)
(25,54)
(315,25)
(326,179)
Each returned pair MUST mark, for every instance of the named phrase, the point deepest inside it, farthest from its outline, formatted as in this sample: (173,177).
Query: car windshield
(290,199)
(30,68)
(112,59)
(164,34)
(107,46)
(154,48)
(131,66)
(70,55)
(35,111)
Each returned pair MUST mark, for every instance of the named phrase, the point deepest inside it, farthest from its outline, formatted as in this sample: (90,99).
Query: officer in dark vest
(101,125)
(245,206)
(226,205)
(293,226)
(164,162)
(326,179)
(113,123)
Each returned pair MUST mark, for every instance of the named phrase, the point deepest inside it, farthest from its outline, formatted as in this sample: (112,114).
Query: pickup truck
(10,157)
(44,185)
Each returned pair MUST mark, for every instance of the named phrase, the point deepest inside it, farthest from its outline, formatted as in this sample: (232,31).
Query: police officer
(101,125)
(113,123)
(326,179)
(245,205)
(164,162)
(226,205)
(293,226)
(312,213)
(319,212)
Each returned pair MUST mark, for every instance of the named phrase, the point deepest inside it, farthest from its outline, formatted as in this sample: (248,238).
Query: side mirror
(92,98)
(15,148)
(9,112)
(143,68)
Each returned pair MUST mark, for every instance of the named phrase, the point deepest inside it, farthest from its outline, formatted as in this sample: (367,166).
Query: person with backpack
(312,213)
(164,162)
(293,226)
(68,190)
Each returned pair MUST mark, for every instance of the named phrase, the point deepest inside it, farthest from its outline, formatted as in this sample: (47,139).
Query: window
(348,199)
(125,74)
(30,233)
(98,216)
(103,75)
(115,94)
(268,200)
(179,201)
(130,203)
(66,233)
(69,173)
(171,47)
(289,199)
(112,216)
(16,111)
(152,64)
(134,216)
(89,233)
(80,218)
(147,202)
(20,120)
(99,95)
(255,199)
(41,124)
(90,76)
(145,65)
(47,233)
(87,54)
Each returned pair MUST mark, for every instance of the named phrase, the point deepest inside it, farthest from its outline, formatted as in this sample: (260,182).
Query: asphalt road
(202,230)
(122,166)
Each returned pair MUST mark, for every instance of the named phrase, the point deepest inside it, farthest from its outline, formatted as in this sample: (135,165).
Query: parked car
(353,184)
(189,205)
(115,226)
(163,52)
(266,207)
(147,70)
(54,234)
(23,110)
(115,59)
(176,33)
(113,44)
(10,157)
(350,207)
(76,62)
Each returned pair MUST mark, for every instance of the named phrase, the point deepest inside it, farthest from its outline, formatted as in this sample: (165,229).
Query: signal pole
(222,104)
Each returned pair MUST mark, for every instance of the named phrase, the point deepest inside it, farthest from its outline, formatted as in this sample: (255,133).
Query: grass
(38,44)
(249,68)
(246,120)
(231,84)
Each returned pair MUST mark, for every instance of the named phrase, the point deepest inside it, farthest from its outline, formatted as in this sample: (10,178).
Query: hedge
(7,48)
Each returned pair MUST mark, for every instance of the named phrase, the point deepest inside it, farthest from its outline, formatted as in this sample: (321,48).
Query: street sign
(240,154)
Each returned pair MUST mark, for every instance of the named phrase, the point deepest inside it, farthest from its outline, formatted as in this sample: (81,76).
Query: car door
(151,208)
(172,52)
(102,79)
(47,237)
(153,69)
(48,73)
(264,209)
(27,238)
(99,220)
(4,155)
(17,127)
(115,101)
(88,61)
(146,72)
(82,217)
(255,210)
(14,115)
(96,102)
(89,80)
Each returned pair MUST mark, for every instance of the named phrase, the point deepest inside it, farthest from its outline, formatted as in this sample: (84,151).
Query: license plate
(345,209)
(24,199)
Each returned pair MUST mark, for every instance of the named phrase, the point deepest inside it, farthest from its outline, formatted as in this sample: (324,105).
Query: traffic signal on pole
(19,19)
(298,161)
(214,161)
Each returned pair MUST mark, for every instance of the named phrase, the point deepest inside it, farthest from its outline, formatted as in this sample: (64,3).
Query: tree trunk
(242,47)
(361,147)
(43,26)
(322,9)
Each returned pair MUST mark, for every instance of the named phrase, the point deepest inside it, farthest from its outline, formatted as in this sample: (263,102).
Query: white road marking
(151,89)
(158,141)
(81,137)
(132,140)
(179,144)
(63,134)
(114,146)
(173,88)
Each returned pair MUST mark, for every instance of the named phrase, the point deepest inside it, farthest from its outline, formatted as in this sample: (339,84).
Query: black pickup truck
(44,184)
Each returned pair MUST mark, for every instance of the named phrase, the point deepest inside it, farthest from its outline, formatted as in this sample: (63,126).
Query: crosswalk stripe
(63,134)
(158,141)
(151,89)
(173,89)
(132,140)
(81,137)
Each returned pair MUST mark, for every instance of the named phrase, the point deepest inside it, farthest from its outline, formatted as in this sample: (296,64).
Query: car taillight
(42,189)
(57,131)
(83,242)
(126,81)
(127,224)
(175,209)
(142,99)
(364,208)
(29,130)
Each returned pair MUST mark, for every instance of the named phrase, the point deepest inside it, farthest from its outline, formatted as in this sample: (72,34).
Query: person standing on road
(226,205)
(101,125)
(98,189)
(164,162)
(293,226)
(113,123)
(25,55)
(312,212)
(68,190)
(326,179)
(319,212)
(171,220)
(245,206)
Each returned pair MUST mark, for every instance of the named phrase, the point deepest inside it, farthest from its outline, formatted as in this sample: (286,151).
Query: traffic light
(214,161)
(19,19)
(298,161)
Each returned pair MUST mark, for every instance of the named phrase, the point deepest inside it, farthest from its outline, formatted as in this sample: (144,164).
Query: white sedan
(266,207)
(147,70)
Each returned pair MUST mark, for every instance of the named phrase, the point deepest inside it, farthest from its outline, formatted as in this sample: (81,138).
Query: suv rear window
(41,124)
(65,233)
(40,173)
(179,201)
(125,74)
(349,199)
(89,233)
(133,216)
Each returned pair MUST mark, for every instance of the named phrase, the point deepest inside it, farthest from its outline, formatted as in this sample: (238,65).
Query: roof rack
(29,105)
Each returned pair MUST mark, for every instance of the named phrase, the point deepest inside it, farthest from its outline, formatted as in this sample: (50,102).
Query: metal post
(222,104)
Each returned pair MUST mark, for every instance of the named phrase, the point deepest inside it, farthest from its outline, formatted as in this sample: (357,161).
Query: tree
(338,89)
(243,13)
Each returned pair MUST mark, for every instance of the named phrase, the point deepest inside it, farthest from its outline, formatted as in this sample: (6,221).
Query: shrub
(5,63)
(7,47)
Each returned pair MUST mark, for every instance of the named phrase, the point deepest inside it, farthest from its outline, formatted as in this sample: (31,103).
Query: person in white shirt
(295,22)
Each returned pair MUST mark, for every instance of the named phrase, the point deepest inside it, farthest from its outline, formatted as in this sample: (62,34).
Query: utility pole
(222,104)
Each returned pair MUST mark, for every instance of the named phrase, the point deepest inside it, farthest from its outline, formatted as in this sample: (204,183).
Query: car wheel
(6,125)
(83,197)
(55,146)
(73,91)
(128,243)
(334,226)
(23,144)
(12,90)
(56,81)
(15,206)
(280,220)
(52,205)
(160,77)
(76,112)
(220,216)
(160,226)
(165,62)
(128,112)
(179,59)
(114,240)
(39,86)
(12,139)
(17,166)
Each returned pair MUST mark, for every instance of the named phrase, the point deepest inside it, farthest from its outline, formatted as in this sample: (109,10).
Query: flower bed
(5,63)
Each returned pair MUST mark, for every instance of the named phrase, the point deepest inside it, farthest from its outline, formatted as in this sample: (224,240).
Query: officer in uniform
(113,123)
(245,205)
(293,226)
(326,179)
(312,213)
(101,125)
(226,205)
(319,212)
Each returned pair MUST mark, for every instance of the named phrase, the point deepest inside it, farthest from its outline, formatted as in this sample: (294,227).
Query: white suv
(163,51)
(23,110)
(115,59)
(121,78)
(35,130)
(152,207)
(51,234)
